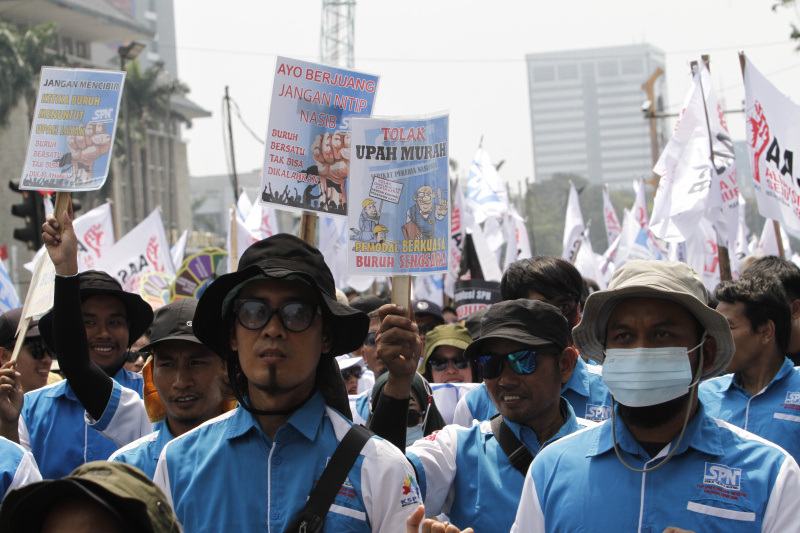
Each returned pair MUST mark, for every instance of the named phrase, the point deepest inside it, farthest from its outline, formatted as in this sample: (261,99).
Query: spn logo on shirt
(597,412)
(793,398)
(722,476)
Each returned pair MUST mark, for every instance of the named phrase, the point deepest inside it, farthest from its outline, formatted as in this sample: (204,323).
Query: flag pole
(722,250)
(308,227)
(775,223)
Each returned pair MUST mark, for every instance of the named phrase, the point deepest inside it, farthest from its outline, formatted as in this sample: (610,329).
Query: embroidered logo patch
(793,398)
(597,412)
(410,492)
(722,476)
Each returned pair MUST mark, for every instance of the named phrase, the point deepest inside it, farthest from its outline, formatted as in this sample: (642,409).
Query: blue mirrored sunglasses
(521,362)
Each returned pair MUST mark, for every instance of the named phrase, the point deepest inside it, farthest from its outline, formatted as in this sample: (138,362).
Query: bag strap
(518,455)
(312,517)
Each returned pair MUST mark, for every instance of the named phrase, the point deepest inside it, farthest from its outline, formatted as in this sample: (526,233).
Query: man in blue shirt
(278,324)
(524,359)
(657,338)
(557,282)
(762,393)
(184,385)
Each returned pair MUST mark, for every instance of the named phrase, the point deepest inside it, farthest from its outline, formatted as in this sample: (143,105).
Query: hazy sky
(465,56)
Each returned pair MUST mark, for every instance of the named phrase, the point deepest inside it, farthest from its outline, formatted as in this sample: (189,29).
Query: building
(587,112)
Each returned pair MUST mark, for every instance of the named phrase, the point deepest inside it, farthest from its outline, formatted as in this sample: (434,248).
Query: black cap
(529,322)
(278,257)
(427,308)
(94,283)
(173,322)
(473,323)
(9,322)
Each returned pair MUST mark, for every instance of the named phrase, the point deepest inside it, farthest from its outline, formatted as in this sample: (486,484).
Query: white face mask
(640,377)
(414,434)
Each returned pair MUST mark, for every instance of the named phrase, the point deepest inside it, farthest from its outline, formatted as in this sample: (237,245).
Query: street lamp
(128,52)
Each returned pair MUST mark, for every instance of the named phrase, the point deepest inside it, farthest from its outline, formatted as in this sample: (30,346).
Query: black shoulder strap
(312,517)
(518,455)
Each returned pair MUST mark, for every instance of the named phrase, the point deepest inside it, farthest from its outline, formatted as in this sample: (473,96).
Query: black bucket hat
(279,257)
(96,283)
(530,322)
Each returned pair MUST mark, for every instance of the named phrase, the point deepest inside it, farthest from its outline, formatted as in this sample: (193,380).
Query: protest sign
(73,129)
(307,157)
(403,224)
(475,294)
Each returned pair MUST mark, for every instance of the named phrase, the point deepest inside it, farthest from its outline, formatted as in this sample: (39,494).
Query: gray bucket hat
(653,279)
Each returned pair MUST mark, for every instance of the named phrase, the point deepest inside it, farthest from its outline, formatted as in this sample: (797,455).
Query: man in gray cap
(34,360)
(657,338)
(183,385)
(278,325)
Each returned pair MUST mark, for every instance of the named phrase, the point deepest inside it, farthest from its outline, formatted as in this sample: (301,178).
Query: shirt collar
(164,436)
(786,368)
(579,381)
(702,433)
(528,437)
(120,377)
(306,420)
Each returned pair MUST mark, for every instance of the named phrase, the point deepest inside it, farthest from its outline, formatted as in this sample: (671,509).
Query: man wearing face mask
(657,339)
(555,281)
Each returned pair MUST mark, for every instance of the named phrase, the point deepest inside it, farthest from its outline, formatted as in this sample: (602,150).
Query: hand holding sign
(63,249)
(85,149)
(441,206)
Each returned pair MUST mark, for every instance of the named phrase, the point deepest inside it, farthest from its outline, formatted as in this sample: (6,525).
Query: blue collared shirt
(228,475)
(143,453)
(464,473)
(773,413)
(52,426)
(585,392)
(17,467)
(721,478)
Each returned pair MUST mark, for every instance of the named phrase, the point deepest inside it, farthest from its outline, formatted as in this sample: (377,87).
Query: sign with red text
(307,158)
(403,226)
(73,127)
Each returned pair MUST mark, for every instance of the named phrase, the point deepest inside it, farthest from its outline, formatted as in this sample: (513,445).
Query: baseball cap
(123,490)
(9,322)
(173,322)
(667,280)
(529,322)
(427,308)
(445,335)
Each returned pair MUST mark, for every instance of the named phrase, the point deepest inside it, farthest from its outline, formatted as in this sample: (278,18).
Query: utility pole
(234,177)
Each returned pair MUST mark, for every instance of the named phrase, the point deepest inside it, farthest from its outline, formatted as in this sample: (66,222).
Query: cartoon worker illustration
(370,217)
(380,233)
(420,221)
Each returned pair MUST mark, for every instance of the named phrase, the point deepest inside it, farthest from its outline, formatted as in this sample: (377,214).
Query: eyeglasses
(295,316)
(37,349)
(440,364)
(353,371)
(522,362)
(134,355)
(414,418)
(370,340)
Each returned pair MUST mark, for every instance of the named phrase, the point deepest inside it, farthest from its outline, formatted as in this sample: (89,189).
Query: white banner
(573,226)
(430,287)
(244,239)
(772,136)
(179,249)
(486,194)
(702,254)
(613,227)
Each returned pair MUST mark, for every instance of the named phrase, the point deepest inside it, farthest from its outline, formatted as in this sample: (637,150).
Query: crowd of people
(650,406)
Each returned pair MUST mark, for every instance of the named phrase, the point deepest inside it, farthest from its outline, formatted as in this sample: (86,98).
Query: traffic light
(32,210)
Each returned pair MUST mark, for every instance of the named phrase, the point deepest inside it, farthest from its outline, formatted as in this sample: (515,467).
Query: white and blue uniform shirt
(464,473)
(721,478)
(17,467)
(52,426)
(227,475)
(773,413)
(585,392)
(143,453)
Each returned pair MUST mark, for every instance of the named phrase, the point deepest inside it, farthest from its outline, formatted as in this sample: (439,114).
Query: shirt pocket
(784,416)
(720,514)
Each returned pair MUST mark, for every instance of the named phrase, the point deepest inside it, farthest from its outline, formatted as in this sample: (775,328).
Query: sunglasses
(370,340)
(414,417)
(37,349)
(133,355)
(295,316)
(440,364)
(353,371)
(522,362)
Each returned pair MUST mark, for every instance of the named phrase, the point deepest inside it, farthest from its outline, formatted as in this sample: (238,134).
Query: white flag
(523,242)
(613,228)
(639,209)
(244,205)
(262,221)
(486,194)
(144,249)
(244,239)
(9,299)
(768,243)
(178,249)
(702,254)
(772,137)
(457,236)
(635,242)
(739,248)
(491,270)
(430,287)
(95,233)
(573,226)
(588,263)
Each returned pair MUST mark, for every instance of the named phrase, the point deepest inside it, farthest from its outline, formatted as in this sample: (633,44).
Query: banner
(429,288)
(475,294)
(399,178)
(486,194)
(262,221)
(9,299)
(573,226)
(144,249)
(772,138)
(178,249)
(72,133)
(307,157)
(613,228)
